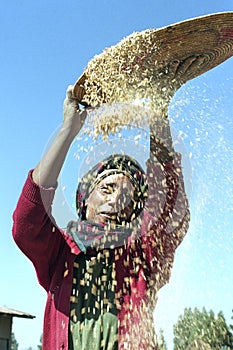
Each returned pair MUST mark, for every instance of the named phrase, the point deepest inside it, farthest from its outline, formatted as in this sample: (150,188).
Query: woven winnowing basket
(148,65)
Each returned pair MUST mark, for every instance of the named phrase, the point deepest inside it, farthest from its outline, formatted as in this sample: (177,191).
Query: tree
(40,345)
(231,325)
(161,341)
(14,344)
(198,344)
(204,326)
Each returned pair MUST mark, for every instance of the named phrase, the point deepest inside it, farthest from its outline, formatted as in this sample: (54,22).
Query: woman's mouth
(109,215)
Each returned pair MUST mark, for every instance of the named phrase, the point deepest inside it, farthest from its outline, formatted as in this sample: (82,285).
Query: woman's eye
(107,189)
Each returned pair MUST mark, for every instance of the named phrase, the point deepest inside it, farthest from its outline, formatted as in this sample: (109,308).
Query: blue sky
(45,46)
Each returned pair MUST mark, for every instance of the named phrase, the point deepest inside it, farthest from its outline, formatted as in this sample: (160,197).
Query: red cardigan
(53,253)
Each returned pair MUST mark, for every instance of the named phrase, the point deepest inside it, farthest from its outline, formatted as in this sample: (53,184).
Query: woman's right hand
(73,117)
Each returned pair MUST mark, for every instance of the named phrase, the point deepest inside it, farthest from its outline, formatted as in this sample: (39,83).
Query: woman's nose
(113,197)
(119,199)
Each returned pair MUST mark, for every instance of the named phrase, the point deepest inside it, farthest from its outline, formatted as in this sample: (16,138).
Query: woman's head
(114,190)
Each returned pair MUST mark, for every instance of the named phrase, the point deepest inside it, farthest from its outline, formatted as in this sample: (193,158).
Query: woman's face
(111,200)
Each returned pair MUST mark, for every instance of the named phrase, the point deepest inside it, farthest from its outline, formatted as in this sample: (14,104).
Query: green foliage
(14,344)
(161,341)
(231,325)
(40,345)
(203,325)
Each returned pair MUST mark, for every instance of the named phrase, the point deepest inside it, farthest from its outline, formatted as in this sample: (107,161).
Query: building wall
(5,331)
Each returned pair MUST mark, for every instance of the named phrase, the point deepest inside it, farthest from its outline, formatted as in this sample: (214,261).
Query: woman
(102,274)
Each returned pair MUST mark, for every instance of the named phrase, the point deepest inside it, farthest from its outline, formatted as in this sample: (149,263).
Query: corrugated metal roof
(15,313)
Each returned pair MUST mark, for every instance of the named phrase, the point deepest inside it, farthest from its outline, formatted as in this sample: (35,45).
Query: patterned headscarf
(114,164)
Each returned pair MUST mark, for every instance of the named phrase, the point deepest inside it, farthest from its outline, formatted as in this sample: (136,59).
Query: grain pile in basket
(150,65)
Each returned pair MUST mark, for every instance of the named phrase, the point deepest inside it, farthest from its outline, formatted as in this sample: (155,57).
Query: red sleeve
(165,221)
(167,202)
(34,229)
